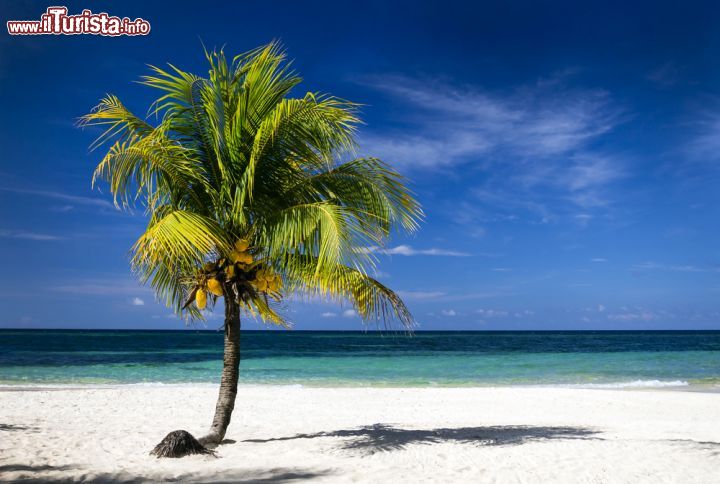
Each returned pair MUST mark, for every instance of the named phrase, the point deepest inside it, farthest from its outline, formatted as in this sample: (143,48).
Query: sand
(286,434)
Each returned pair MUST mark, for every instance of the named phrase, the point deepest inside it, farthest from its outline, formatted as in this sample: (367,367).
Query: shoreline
(638,385)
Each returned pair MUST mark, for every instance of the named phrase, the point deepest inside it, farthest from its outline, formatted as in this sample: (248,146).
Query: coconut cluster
(238,274)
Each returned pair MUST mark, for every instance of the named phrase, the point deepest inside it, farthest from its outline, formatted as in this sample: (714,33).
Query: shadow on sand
(385,438)
(26,468)
(25,473)
(366,440)
(702,445)
(12,428)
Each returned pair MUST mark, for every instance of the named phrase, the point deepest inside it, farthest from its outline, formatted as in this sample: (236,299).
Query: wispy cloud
(598,259)
(704,147)
(421,295)
(407,250)
(448,312)
(446,296)
(349,313)
(654,266)
(633,316)
(78,200)
(538,143)
(666,75)
(492,313)
(328,314)
(26,235)
(455,124)
(101,287)
(165,316)
(62,208)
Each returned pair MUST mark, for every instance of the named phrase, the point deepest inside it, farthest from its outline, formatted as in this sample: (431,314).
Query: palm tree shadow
(385,438)
(31,468)
(68,474)
(14,428)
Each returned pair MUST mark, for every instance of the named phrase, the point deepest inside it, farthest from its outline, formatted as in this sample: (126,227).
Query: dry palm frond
(179,443)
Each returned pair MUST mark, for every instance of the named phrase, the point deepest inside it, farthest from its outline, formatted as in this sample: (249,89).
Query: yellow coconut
(261,285)
(215,287)
(201,298)
(242,245)
(230,271)
(273,285)
(241,257)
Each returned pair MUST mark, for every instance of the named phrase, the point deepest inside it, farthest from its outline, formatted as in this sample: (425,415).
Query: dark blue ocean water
(603,358)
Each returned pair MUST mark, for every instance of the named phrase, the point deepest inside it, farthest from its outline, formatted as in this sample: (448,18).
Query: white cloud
(581,179)
(444,296)
(25,235)
(583,219)
(632,316)
(588,171)
(420,295)
(458,123)
(598,259)
(703,147)
(537,142)
(653,266)
(101,287)
(422,152)
(136,301)
(349,313)
(96,202)
(328,314)
(600,308)
(448,312)
(407,250)
(492,313)
(62,208)
(707,143)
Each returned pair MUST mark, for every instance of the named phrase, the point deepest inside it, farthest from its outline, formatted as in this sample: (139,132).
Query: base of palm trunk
(179,443)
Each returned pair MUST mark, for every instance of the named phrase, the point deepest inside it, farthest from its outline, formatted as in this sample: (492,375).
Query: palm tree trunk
(230,375)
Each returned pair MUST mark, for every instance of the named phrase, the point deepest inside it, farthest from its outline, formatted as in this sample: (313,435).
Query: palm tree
(248,198)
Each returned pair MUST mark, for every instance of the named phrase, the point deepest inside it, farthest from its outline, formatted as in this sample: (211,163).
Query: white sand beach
(285,434)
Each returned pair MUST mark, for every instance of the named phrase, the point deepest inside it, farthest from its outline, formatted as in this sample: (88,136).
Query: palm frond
(372,300)
(232,155)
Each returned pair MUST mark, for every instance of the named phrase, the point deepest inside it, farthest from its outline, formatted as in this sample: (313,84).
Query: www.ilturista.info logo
(56,21)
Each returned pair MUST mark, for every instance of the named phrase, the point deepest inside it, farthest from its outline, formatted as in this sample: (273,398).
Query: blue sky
(566,155)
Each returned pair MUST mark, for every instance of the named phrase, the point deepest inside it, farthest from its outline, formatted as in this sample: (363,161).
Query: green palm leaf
(232,155)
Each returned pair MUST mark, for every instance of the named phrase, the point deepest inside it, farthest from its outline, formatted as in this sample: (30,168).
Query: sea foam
(632,384)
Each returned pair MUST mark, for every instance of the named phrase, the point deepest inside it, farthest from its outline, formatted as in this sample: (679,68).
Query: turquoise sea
(673,359)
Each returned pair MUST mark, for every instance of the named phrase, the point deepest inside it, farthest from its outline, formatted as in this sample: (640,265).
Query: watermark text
(56,21)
